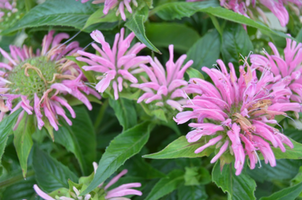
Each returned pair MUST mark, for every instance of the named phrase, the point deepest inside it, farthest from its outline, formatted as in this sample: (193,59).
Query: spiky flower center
(255,110)
(34,75)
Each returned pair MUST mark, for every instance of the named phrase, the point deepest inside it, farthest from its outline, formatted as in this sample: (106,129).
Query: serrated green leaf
(79,138)
(120,149)
(125,112)
(286,194)
(136,24)
(163,34)
(55,13)
(205,51)
(238,187)
(23,141)
(166,185)
(235,42)
(180,148)
(6,127)
(50,174)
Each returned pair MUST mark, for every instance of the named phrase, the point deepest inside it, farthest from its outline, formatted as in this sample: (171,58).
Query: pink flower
(122,190)
(117,65)
(117,193)
(7,7)
(166,87)
(37,82)
(287,67)
(232,114)
(111,4)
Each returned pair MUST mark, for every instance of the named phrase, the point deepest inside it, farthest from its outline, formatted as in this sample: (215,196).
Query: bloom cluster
(233,112)
(7,7)
(120,67)
(39,81)
(250,8)
(289,67)
(101,192)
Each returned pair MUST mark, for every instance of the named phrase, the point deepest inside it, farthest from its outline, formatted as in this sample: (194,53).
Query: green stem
(15,179)
(101,114)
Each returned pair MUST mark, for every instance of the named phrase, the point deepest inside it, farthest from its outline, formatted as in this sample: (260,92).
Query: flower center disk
(32,76)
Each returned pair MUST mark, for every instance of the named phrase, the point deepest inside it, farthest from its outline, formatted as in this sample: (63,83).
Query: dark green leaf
(125,112)
(166,185)
(178,10)
(20,190)
(192,192)
(6,127)
(238,187)
(55,13)
(138,167)
(285,169)
(51,174)
(180,148)
(23,141)
(79,138)
(205,51)
(235,42)
(163,34)
(286,194)
(120,149)
(136,24)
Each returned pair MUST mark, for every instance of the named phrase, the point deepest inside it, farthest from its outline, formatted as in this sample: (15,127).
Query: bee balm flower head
(38,82)
(116,65)
(166,87)
(232,113)
(287,67)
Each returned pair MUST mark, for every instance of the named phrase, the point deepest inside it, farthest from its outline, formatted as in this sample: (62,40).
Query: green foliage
(166,185)
(55,13)
(120,149)
(235,42)
(180,148)
(205,51)
(163,34)
(23,141)
(119,134)
(237,187)
(50,174)
(125,112)
(6,127)
(79,138)
(136,24)
(285,194)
